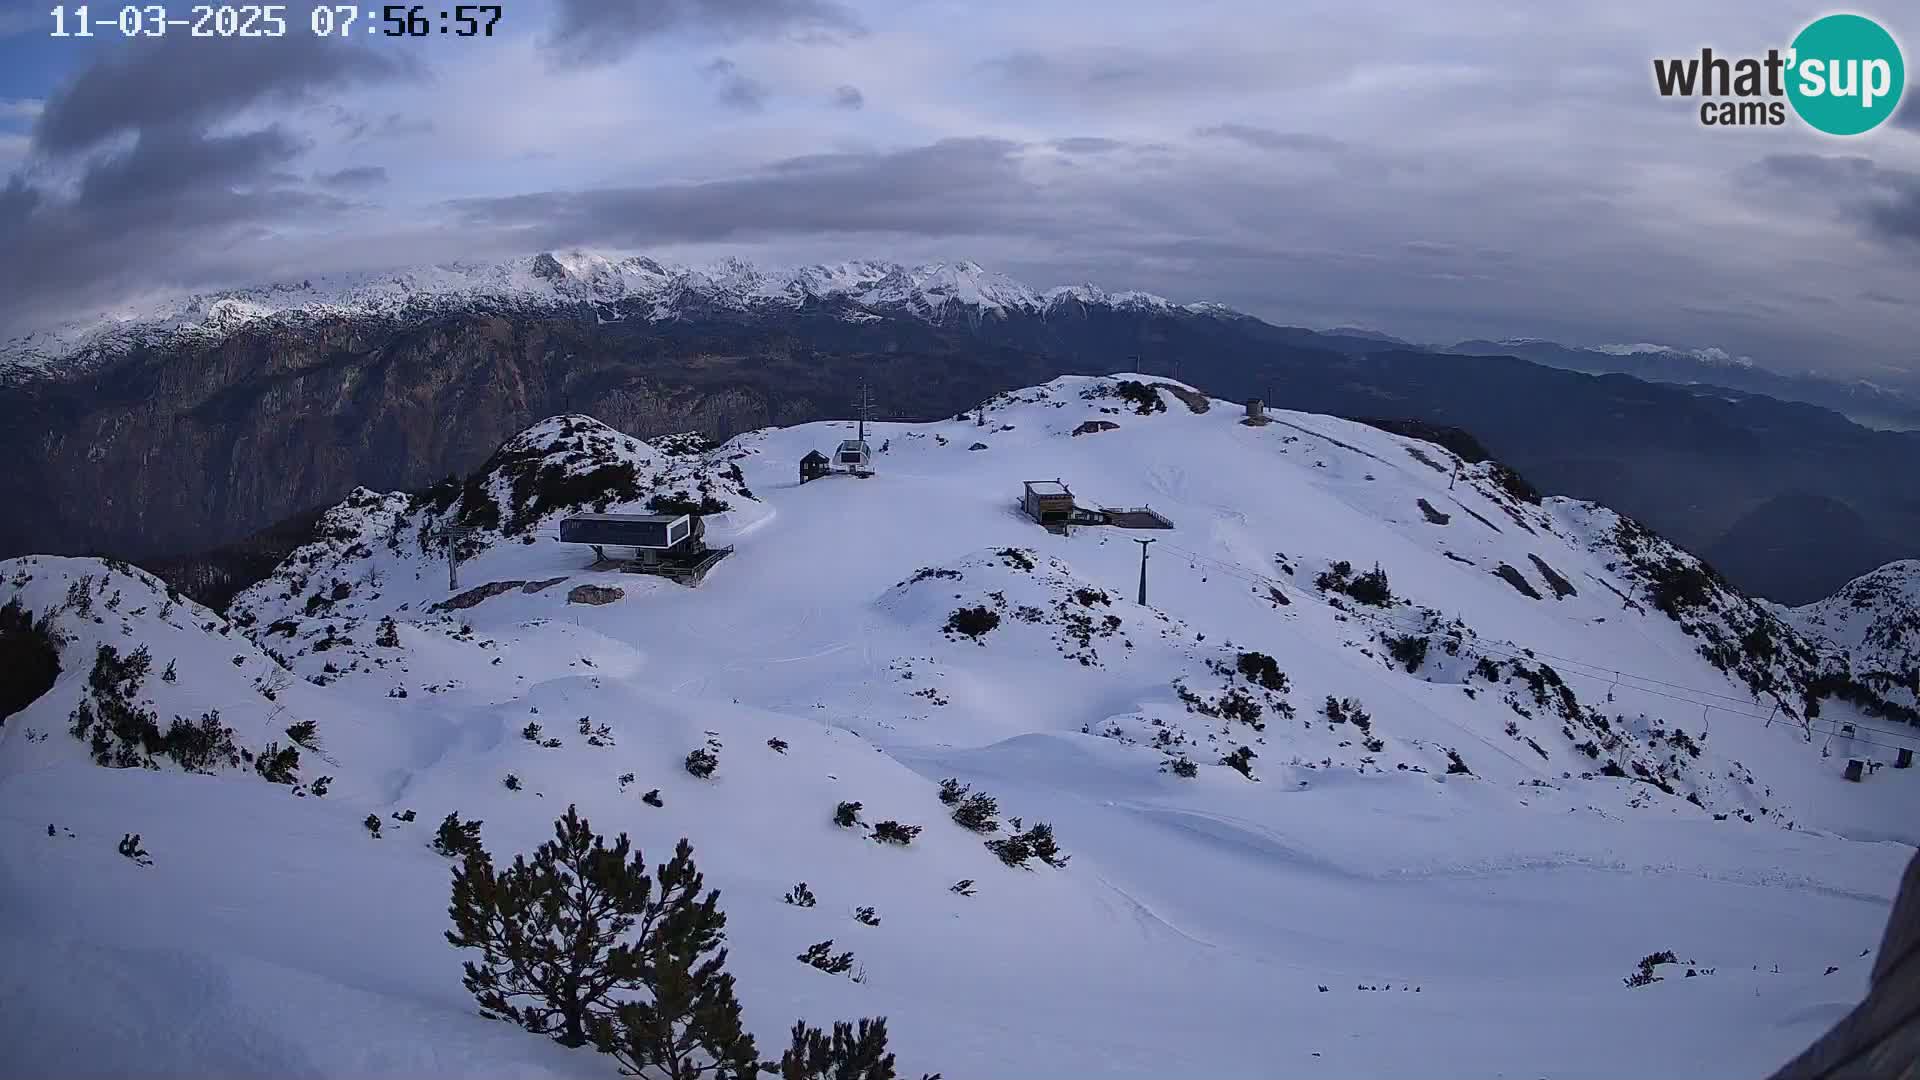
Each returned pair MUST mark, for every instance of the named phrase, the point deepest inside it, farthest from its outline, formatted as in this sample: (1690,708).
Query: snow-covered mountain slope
(614,288)
(1312,828)
(1874,623)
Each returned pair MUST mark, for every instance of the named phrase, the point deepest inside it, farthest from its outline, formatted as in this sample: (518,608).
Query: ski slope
(1461,923)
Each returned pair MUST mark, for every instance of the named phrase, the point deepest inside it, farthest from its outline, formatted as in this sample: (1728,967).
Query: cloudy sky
(1439,171)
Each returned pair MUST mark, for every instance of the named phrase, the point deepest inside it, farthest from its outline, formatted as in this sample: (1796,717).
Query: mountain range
(1892,403)
(194,423)
(1392,764)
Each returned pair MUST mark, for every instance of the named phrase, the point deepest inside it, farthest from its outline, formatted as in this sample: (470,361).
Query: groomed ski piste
(1601,754)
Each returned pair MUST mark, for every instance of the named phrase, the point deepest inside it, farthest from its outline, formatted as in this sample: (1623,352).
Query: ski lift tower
(451,536)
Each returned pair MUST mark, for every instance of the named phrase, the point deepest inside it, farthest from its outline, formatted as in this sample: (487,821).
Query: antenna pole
(1143,569)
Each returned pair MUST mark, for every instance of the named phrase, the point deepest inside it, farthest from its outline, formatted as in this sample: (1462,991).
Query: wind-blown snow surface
(1462,924)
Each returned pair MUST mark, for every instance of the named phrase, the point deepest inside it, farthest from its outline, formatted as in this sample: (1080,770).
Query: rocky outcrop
(595,595)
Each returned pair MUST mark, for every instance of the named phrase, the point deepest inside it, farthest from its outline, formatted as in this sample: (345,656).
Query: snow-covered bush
(1409,650)
(972,622)
(1260,668)
(278,764)
(821,955)
(892,832)
(978,812)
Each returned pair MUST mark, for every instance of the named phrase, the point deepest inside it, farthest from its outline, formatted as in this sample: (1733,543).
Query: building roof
(815,455)
(630,519)
(1047,487)
(854,444)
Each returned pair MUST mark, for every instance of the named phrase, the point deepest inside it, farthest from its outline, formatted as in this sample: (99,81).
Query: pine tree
(848,1054)
(456,838)
(566,938)
(690,1026)
(550,932)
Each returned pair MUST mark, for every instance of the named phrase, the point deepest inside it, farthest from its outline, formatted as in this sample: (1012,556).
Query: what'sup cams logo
(1842,75)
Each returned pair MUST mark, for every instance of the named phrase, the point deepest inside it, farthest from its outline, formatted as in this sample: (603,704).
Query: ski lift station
(854,455)
(1050,503)
(668,545)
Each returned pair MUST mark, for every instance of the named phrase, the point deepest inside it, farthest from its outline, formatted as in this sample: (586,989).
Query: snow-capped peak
(615,286)
(1709,355)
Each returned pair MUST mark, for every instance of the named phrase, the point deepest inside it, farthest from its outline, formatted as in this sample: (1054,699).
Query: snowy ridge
(1873,622)
(1320,821)
(612,287)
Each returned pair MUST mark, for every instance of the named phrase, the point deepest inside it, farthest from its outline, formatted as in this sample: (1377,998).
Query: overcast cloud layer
(1437,171)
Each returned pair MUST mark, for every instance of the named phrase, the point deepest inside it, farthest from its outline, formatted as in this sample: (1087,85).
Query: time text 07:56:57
(272,20)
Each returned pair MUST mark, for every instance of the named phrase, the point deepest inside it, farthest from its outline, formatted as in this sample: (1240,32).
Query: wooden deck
(1136,517)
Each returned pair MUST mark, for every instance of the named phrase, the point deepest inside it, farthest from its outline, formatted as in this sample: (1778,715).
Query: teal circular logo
(1845,74)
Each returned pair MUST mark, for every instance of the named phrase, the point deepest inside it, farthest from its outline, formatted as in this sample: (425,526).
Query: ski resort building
(1048,502)
(668,545)
(854,456)
(814,466)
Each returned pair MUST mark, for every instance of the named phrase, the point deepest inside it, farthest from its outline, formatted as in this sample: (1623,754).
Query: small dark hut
(1048,502)
(814,466)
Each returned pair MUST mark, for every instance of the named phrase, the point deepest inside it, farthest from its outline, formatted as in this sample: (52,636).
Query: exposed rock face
(1094,427)
(595,595)
(474,596)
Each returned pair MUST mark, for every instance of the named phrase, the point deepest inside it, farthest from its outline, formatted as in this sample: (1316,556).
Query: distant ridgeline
(296,396)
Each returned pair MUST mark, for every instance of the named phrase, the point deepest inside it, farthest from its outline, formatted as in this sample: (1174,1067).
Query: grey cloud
(185,81)
(952,187)
(1883,203)
(738,90)
(848,97)
(1086,144)
(17,200)
(358,176)
(1110,79)
(179,222)
(168,161)
(1267,139)
(590,32)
